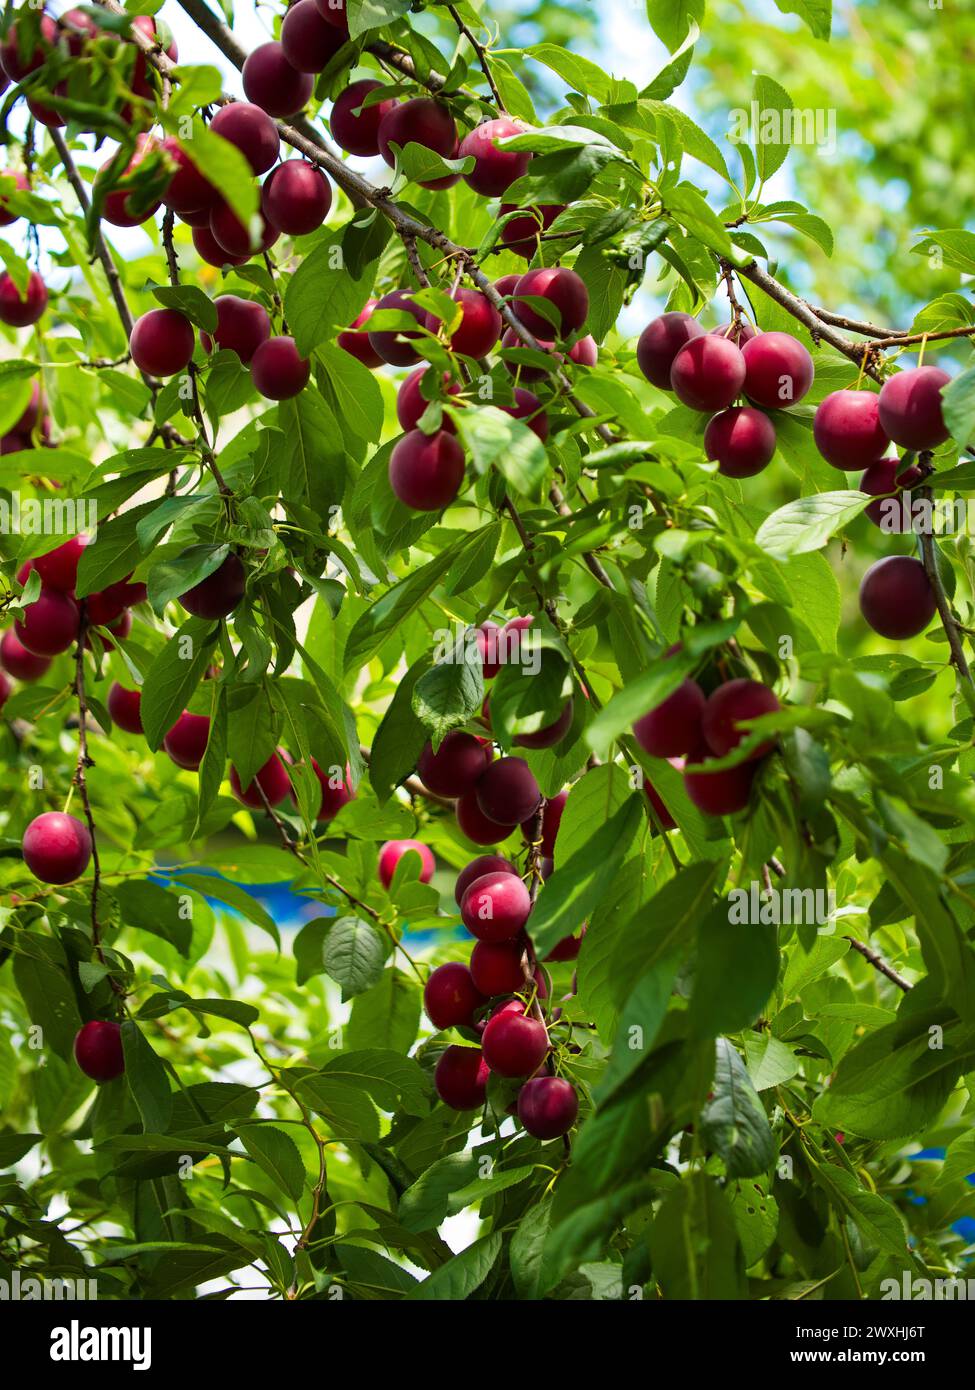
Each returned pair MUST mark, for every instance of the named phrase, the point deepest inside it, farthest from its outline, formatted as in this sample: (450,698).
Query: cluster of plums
(701,728)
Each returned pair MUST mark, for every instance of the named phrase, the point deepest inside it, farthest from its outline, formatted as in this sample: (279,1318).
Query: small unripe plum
(707,373)
(552,733)
(209,249)
(392,852)
(457,764)
(548,1106)
(357,343)
(567,949)
(333,11)
(563,290)
(496,906)
(162,342)
(336,791)
(240,242)
(910,408)
(98,1050)
(21,184)
(358,134)
(309,41)
(251,130)
(739,334)
(480,324)
(271,83)
(218,594)
(57,847)
(188,190)
(896,597)
(779,370)
(666,820)
(720,793)
(507,792)
(477,868)
(741,439)
(17,661)
(461,1078)
(411,404)
(729,704)
(125,708)
(496,966)
(475,824)
(48,625)
(59,567)
(551,820)
(242,326)
(495,169)
(847,429)
(514,1043)
(451,997)
(186,741)
(17,64)
(296,196)
(395,346)
(521,234)
(272,779)
(659,344)
(528,407)
(426,470)
(673,727)
(419,121)
(891,513)
(20,311)
(278,371)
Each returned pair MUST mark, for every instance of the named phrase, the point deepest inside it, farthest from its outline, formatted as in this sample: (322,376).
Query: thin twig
(878,963)
(481,58)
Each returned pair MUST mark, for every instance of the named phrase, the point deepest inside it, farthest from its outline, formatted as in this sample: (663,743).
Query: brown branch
(481,57)
(930,561)
(878,963)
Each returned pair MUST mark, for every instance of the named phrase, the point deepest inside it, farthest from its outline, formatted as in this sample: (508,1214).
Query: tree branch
(878,963)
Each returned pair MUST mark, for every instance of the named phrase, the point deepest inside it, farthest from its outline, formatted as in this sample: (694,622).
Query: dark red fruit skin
(251,130)
(739,335)
(779,370)
(125,708)
(333,12)
(426,470)
(271,83)
(451,997)
(891,514)
(910,408)
(477,868)
(57,847)
(272,779)
(719,793)
(309,41)
(237,240)
(513,1043)
(528,407)
(552,733)
(162,342)
(497,968)
(457,764)
(359,135)
(98,1050)
(505,285)
(278,371)
(667,821)
(396,347)
(357,343)
(296,196)
(107,605)
(548,1106)
(18,661)
(742,441)
(495,169)
(507,792)
(218,594)
(495,907)
(392,852)
(49,625)
(188,190)
(461,1078)
(419,121)
(411,404)
(333,798)
(21,312)
(563,289)
(551,820)
(242,326)
(567,949)
(476,825)
(486,637)
(659,344)
(17,67)
(521,234)
(186,741)
(59,567)
(708,373)
(480,325)
(673,727)
(847,429)
(896,597)
(733,701)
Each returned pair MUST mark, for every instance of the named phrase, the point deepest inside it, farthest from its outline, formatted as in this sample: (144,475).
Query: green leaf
(464,1274)
(808,523)
(673,20)
(736,971)
(390,611)
(223,165)
(734,1122)
(875,1217)
(694,1243)
(774,125)
(958,407)
(147,906)
(817,14)
(324,295)
(449,694)
(173,676)
(14,1146)
(354,955)
(147,1080)
(190,300)
(364,15)
(494,439)
(277,1153)
(385,1016)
